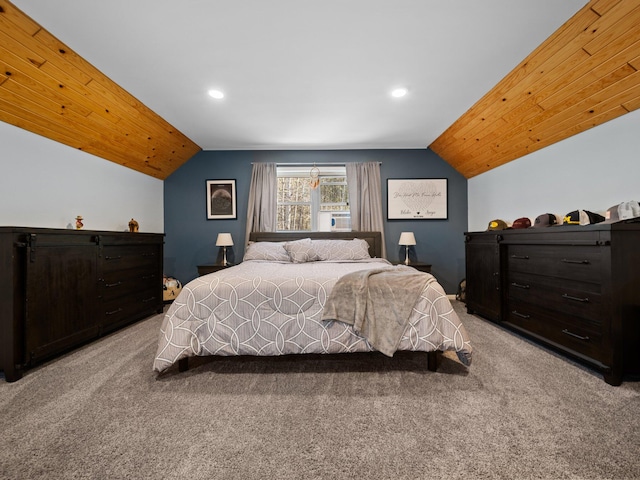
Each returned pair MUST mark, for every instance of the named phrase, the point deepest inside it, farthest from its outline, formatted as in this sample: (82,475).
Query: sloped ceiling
(315,75)
(48,89)
(585,74)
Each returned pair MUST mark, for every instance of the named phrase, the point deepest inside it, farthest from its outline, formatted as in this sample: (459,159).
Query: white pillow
(272,251)
(356,249)
(301,251)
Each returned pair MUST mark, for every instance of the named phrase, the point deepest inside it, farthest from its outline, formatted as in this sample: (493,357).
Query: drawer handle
(521,315)
(579,262)
(147,277)
(518,285)
(113,284)
(113,258)
(577,299)
(114,312)
(147,300)
(520,257)
(575,335)
(149,254)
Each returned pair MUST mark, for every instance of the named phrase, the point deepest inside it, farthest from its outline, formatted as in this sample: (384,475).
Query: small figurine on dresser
(79,223)
(133,226)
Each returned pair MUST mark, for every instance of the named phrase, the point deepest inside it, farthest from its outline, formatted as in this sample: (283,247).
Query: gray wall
(190,237)
(593,171)
(47,184)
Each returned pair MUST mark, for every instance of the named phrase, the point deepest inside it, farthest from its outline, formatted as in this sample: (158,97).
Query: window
(302,208)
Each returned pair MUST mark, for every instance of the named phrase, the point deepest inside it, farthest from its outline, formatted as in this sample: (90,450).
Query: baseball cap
(522,222)
(497,225)
(545,220)
(582,217)
(622,211)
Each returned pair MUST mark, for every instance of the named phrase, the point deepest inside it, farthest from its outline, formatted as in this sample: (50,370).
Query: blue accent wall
(190,237)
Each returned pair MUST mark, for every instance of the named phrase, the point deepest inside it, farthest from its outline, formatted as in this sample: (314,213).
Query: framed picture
(221,199)
(416,199)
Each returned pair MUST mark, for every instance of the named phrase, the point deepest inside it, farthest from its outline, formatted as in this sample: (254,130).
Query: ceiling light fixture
(399,92)
(216,94)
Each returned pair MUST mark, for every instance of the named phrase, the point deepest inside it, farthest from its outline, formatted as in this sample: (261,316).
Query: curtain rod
(311,164)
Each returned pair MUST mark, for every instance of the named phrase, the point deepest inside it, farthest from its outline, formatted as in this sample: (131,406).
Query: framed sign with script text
(417,199)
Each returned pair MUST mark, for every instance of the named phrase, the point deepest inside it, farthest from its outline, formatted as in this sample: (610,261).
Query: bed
(311,293)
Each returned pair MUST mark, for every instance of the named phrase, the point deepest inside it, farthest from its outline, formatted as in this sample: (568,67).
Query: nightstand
(421,267)
(205,269)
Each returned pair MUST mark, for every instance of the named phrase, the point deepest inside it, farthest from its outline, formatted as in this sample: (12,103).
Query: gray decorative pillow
(356,249)
(301,251)
(272,251)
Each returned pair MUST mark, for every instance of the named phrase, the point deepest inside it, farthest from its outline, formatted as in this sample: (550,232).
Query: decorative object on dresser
(62,288)
(572,288)
(407,239)
(224,240)
(134,226)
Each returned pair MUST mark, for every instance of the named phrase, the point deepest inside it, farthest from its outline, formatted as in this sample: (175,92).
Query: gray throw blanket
(377,302)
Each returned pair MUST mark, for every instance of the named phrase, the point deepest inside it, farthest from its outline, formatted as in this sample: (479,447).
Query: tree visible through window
(299,204)
(294,203)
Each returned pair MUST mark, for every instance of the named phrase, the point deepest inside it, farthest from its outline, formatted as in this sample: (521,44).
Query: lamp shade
(224,240)
(407,238)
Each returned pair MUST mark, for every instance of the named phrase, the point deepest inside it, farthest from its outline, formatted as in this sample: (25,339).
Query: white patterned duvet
(270,308)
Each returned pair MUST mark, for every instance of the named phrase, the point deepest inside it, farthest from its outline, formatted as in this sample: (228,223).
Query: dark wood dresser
(574,288)
(61,288)
(484,287)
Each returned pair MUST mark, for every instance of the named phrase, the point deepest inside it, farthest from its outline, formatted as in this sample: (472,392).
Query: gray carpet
(518,412)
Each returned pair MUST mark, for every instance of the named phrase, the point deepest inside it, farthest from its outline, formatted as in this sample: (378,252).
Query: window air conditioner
(341,222)
(334,222)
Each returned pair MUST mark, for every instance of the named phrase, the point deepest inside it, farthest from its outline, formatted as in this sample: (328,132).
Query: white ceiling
(304,74)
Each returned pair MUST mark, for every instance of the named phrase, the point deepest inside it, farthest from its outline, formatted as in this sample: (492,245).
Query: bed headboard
(374,239)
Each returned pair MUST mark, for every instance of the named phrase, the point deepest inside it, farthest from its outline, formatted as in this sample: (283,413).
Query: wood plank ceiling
(582,76)
(585,74)
(48,89)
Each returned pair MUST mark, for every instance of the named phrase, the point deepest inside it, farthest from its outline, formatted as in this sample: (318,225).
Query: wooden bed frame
(374,239)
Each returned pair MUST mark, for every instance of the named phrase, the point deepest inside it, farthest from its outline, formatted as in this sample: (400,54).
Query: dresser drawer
(130,257)
(580,299)
(117,286)
(114,272)
(580,263)
(581,335)
(135,305)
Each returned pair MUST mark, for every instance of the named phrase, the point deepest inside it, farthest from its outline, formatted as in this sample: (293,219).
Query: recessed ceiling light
(216,94)
(399,92)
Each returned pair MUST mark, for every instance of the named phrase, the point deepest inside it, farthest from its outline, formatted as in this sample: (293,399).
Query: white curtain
(365,198)
(263,197)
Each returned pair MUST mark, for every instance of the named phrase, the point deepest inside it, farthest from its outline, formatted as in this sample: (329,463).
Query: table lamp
(406,239)
(224,240)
